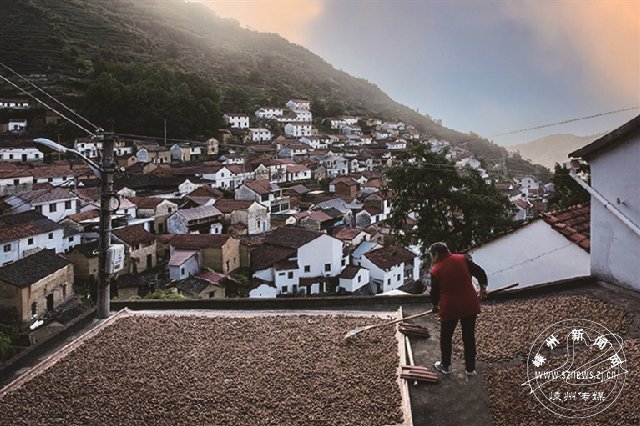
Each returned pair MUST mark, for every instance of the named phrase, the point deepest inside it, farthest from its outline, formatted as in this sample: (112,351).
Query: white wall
(21,248)
(317,253)
(534,254)
(614,247)
(263,291)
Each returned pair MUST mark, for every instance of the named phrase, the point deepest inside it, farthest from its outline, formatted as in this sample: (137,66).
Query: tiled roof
(318,216)
(261,186)
(180,256)
(226,205)
(291,237)
(40,196)
(33,268)
(135,234)
(350,272)
(346,233)
(267,255)
(22,225)
(204,191)
(574,223)
(201,212)
(387,257)
(212,277)
(89,214)
(146,202)
(198,241)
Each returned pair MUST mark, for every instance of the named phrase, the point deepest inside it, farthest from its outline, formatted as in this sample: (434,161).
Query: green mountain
(552,149)
(79,50)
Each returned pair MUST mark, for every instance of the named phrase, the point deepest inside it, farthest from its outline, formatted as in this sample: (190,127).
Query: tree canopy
(138,98)
(456,207)
(566,191)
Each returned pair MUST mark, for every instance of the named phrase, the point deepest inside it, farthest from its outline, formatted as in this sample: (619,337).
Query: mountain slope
(552,149)
(71,41)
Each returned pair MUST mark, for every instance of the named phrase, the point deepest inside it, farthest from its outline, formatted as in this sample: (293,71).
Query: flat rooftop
(211,366)
(200,367)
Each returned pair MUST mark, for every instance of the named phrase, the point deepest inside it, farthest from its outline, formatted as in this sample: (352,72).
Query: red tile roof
(574,223)
(261,186)
(135,234)
(198,241)
(387,257)
(226,205)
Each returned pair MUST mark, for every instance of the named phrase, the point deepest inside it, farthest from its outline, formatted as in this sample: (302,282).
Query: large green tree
(138,99)
(566,191)
(450,205)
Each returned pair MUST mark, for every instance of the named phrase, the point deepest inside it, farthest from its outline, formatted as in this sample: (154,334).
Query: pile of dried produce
(268,370)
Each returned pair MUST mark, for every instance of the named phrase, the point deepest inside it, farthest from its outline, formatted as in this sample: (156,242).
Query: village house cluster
(293,204)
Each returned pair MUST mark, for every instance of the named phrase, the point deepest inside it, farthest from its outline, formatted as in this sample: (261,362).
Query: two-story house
(157,208)
(24,233)
(264,192)
(297,260)
(236,121)
(391,267)
(56,203)
(244,216)
(197,220)
(140,246)
(218,252)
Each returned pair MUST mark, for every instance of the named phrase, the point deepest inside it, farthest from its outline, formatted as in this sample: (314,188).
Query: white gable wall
(614,247)
(534,254)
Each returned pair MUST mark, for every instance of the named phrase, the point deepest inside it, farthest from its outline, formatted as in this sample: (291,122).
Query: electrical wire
(48,106)
(571,120)
(96,128)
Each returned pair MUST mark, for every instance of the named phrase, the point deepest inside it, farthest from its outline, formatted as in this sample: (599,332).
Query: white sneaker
(441,368)
(472,373)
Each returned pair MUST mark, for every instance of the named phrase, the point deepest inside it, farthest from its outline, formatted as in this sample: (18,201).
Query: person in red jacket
(455,298)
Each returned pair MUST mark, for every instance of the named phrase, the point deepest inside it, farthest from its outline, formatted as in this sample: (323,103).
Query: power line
(48,106)
(542,126)
(48,95)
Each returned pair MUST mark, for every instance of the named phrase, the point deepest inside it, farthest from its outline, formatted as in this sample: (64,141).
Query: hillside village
(279,204)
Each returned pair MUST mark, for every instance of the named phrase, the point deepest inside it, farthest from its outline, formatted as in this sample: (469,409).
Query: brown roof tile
(198,241)
(573,222)
(135,234)
(387,257)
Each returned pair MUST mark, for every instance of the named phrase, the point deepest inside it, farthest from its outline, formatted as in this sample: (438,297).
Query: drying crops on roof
(278,370)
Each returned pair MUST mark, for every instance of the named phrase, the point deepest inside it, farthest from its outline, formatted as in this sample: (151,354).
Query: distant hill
(67,46)
(551,149)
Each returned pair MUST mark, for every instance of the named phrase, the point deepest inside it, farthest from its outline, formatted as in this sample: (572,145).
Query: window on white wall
(7,248)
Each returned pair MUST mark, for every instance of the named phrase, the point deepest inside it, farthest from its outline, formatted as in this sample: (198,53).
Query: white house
(250,215)
(220,176)
(396,144)
(17,125)
(298,172)
(19,150)
(553,248)
(353,278)
(391,267)
(336,123)
(303,115)
(183,264)
(14,103)
(260,135)
(198,220)
(55,204)
(15,180)
(297,104)
(22,234)
(335,164)
(265,193)
(297,129)
(236,121)
(316,141)
(88,147)
(615,204)
(269,113)
(295,259)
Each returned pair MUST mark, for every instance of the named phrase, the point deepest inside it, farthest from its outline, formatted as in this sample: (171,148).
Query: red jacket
(451,284)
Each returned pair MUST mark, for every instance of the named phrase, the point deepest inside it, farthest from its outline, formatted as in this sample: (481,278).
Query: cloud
(289,18)
(603,36)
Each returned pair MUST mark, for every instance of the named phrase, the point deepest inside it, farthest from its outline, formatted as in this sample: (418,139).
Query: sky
(491,67)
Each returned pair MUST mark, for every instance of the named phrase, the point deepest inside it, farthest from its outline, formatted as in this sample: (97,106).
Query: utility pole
(104,241)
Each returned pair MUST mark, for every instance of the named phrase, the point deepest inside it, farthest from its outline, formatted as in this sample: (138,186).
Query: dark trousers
(468,340)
